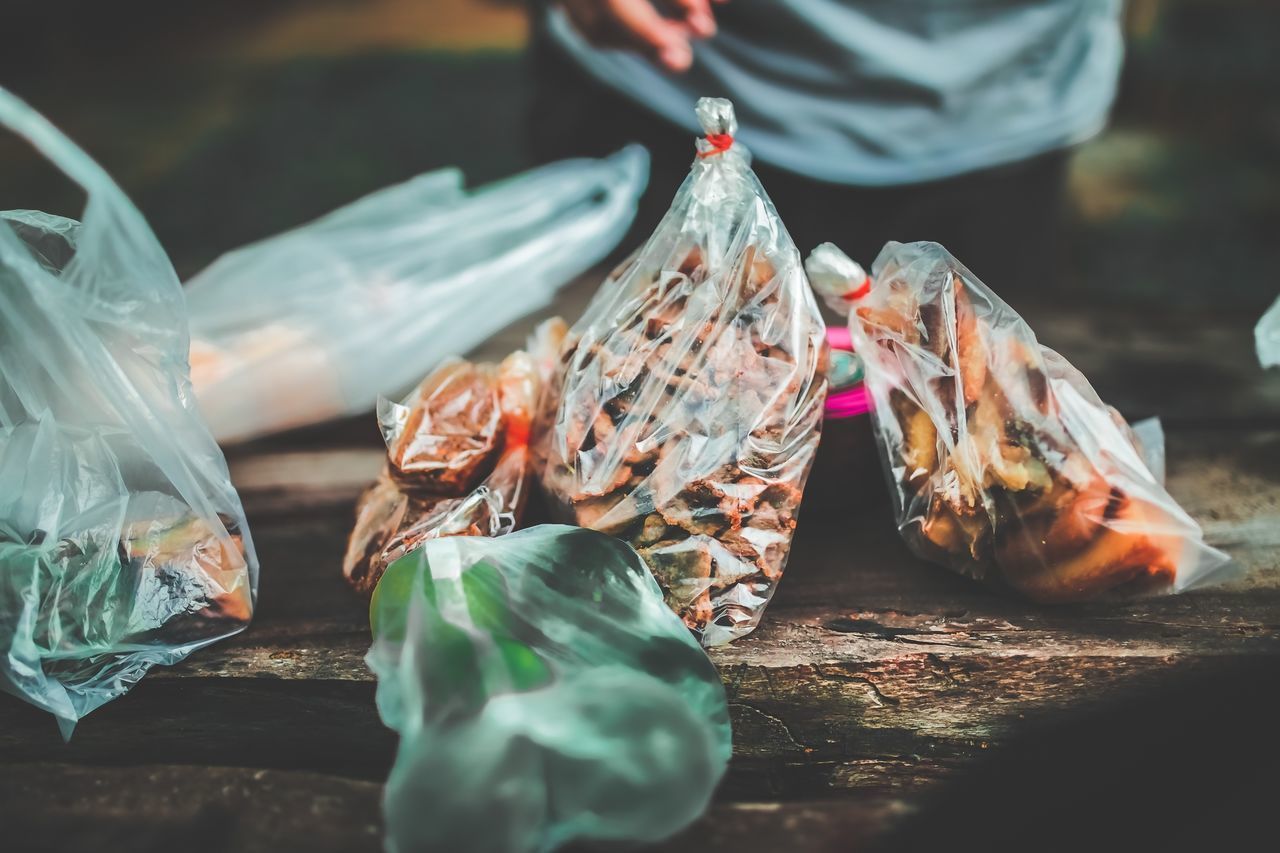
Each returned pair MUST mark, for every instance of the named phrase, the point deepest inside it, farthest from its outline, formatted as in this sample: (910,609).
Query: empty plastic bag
(1004,463)
(122,542)
(457,457)
(319,322)
(543,692)
(687,411)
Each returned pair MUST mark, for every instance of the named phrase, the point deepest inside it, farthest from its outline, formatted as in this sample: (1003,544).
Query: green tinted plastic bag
(122,542)
(543,692)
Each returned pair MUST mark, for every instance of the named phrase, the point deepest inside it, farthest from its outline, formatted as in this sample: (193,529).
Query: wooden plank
(161,808)
(1190,368)
(873,671)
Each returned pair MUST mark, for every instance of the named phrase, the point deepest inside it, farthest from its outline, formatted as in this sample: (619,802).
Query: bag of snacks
(1005,464)
(318,322)
(543,693)
(122,542)
(686,413)
(457,458)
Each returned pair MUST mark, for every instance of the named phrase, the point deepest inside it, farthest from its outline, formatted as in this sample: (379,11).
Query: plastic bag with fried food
(686,413)
(457,458)
(1005,464)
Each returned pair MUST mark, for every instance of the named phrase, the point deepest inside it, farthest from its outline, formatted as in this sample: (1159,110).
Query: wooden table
(874,679)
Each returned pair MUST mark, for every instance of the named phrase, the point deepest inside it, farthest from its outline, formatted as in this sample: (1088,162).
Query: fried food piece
(970,348)
(1115,561)
(446,436)
(919,438)
(186,567)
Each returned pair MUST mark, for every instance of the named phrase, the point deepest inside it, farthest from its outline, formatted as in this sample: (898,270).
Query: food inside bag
(122,542)
(457,458)
(686,413)
(543,693)
(1005,464)
(321,321)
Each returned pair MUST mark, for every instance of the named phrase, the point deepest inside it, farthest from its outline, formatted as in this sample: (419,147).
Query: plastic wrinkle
(543,693)
(122,542)
(686,411)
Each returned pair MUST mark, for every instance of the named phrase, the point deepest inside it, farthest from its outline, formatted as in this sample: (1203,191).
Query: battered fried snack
(457,459)
(687,409)
(1006,464)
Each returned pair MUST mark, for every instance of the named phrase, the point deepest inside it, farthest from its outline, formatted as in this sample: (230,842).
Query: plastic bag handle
(19,117)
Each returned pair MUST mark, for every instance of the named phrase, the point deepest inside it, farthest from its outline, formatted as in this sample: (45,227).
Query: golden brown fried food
(1009,466)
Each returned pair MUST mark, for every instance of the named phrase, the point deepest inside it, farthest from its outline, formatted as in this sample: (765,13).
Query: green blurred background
(229,122)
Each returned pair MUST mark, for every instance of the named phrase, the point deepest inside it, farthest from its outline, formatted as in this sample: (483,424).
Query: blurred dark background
(229,122)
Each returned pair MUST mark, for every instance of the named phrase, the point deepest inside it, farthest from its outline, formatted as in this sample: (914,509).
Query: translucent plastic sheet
(320,321)
(687,412)
(1005,464)
(1267,336)
(457,458)
(543,693)
(122,542)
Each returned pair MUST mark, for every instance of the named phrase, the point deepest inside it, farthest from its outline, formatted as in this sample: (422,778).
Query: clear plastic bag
(686,414)
(1005,464)
(320,321)
(457,458)
(543,693)
(122,541)
(1267,336)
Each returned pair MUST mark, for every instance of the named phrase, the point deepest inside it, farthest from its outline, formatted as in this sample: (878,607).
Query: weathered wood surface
(874,676)
(162,808)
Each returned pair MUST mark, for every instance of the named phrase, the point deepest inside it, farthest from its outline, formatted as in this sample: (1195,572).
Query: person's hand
(664,36)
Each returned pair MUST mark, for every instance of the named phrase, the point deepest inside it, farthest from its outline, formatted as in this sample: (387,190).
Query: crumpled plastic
(686,415)
(543,693)
(321,321)
(1004,463)
(122,542)
(457,457)
(1267,336)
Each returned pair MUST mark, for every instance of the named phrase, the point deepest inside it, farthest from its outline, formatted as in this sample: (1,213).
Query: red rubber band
(517,433)
(863,290)
(720,142)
